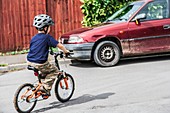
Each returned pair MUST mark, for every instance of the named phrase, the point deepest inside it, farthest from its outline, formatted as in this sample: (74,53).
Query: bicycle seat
(36,73)
(32,68)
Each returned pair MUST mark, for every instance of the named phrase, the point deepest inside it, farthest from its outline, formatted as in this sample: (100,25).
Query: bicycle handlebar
(60,53)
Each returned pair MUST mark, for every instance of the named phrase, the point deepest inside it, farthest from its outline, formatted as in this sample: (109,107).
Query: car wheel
(107,53)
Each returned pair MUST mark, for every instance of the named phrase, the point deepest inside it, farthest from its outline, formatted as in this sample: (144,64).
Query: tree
(97,11)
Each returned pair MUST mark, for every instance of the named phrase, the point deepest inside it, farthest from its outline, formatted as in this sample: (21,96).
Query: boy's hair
(41,29)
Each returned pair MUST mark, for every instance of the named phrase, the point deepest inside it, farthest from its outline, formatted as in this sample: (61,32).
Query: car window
(155,10)
(126,12)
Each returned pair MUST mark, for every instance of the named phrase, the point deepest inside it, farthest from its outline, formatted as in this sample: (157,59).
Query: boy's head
(42,22)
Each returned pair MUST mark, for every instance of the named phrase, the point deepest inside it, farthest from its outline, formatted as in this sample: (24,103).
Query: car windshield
(126,12)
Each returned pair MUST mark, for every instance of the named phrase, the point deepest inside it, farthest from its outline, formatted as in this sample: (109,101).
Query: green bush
(97,11)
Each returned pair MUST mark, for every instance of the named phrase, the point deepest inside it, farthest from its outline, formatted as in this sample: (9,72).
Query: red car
(140,28)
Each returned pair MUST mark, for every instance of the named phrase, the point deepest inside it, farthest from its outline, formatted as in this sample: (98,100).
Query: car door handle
(166,26)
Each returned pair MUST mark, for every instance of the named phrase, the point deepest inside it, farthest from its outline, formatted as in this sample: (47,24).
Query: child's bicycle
(28,94)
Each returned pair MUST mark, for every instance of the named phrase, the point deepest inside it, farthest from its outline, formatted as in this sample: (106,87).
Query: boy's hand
(67,51)
(69,54)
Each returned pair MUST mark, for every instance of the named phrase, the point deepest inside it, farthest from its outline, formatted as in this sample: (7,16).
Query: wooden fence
(16,18)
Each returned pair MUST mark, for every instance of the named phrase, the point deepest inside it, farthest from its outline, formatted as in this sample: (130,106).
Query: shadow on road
(84,64)
(80,100)
(125,61)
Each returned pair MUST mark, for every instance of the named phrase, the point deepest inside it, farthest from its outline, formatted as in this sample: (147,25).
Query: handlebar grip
(69,53)
(61,54)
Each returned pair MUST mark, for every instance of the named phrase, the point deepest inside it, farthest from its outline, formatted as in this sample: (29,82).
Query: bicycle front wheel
(23,101)
(64,88)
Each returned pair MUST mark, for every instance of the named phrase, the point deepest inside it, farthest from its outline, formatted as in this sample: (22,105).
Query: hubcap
(107,53)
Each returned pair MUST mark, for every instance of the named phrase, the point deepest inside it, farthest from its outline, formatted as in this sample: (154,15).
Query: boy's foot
(45,93)
(45,96)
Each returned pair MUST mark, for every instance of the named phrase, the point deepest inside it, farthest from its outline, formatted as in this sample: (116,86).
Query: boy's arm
(60,46)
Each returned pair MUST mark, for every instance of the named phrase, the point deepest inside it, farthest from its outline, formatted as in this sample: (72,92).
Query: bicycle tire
(16,97)
(57,87)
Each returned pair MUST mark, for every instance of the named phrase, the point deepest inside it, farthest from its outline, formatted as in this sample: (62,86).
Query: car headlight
(75,39)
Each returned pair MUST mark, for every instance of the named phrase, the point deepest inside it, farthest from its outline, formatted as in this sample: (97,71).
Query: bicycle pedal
(45,96)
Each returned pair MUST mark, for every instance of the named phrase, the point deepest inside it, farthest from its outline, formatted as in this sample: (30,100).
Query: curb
(15,67)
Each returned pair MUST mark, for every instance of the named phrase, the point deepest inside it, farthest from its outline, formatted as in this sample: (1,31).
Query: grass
(3,65)
(14,53)
(21,52)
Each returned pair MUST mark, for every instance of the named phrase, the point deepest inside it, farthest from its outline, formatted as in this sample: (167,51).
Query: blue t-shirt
(39,47)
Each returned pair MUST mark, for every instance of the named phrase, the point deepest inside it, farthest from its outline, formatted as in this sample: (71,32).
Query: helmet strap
(46,30)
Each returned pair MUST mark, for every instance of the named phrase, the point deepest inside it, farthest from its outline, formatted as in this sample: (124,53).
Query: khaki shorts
(49,70)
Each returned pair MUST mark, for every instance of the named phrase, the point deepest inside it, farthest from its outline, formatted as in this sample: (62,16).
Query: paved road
(133,86)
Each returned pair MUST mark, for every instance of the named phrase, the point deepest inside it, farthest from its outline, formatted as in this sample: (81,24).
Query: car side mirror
(139,17)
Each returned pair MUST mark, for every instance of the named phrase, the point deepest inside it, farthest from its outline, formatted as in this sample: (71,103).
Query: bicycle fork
(65,81)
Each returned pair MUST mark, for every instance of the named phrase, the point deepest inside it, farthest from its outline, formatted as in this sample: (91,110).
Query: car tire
(107,53)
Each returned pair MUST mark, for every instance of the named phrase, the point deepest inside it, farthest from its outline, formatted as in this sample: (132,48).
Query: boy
(39,50)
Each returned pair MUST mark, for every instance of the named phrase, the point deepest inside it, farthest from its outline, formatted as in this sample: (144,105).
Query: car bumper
(80,51)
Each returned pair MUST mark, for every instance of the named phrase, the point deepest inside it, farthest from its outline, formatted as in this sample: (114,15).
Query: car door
(152,33)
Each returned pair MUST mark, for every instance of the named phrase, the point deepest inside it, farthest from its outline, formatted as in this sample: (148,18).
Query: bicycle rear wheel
(22,101)
(64,88)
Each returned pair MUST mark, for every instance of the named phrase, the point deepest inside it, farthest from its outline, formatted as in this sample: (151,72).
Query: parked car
(140,28)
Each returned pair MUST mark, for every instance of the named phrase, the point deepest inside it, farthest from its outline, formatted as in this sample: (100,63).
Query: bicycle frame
(34,92)
(36,73)
(57,65)
(28,94)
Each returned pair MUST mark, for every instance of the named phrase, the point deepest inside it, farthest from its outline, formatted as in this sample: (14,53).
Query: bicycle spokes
(65,88)
(23,100)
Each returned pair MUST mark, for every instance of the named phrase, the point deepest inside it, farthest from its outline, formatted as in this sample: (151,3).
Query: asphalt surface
(133,86)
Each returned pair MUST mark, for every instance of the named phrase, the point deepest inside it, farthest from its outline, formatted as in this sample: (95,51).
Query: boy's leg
(49,80)
(51,72)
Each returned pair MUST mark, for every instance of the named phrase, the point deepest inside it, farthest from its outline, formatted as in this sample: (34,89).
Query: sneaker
(45,96)
(45,93)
